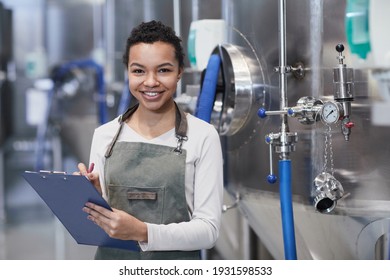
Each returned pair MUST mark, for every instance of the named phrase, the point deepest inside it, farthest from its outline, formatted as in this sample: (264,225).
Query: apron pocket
(144,203)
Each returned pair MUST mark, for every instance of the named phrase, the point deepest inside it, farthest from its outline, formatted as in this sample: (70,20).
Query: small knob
(290,112)
(349,125)
(340,48)
(262,113)
(271,178)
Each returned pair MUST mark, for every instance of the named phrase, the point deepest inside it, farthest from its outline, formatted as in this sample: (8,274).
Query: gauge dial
(331,112)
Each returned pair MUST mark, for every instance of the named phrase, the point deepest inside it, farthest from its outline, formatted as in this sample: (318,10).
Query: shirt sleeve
(202,231)
(101,139)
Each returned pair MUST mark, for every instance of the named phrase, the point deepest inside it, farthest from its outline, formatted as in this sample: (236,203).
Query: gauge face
(330,112)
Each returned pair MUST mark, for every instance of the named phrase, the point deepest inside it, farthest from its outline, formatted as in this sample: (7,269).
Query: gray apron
(147,181)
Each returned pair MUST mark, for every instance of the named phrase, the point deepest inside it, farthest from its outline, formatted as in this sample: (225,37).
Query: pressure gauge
(331,112)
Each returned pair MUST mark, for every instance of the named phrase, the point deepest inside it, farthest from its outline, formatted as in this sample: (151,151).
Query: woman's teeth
(151,94)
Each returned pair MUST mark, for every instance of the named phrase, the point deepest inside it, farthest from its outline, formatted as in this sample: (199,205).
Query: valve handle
(262,113)
(271,178)
(340,48)
(349,125)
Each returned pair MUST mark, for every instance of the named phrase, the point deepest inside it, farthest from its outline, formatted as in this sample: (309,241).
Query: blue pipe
(206,97)
(290,250)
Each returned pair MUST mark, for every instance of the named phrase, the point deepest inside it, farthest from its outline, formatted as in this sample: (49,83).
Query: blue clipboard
(66,195)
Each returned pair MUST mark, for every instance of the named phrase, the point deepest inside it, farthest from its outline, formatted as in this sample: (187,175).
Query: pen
(90,169)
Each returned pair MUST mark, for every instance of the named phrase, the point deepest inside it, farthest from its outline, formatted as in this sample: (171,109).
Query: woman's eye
(164,70)
(137,71)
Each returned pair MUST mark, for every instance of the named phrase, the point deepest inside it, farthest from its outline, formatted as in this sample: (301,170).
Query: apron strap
(180,128)
(121,120)
(181,122)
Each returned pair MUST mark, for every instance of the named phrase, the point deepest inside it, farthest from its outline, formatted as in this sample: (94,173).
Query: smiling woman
(153,76)
(159,168)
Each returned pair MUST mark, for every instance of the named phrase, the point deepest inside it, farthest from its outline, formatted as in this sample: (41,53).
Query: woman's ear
(181,70)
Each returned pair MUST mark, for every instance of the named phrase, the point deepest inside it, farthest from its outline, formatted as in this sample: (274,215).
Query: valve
(349,124)
(340,48)
(263,113)
(343,90)
(271,178)
(281,143)
(346,127)
(306,110)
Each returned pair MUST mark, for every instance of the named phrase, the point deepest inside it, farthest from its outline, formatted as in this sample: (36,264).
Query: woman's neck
(150,124)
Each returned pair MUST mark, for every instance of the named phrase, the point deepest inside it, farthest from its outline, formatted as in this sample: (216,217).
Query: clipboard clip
(52,172)
(43,173)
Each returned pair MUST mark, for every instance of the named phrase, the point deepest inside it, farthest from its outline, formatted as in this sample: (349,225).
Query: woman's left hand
(117,223)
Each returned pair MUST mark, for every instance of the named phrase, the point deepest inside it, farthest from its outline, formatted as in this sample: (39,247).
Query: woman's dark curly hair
(154,31)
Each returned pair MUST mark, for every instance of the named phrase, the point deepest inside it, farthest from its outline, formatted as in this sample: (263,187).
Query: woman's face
(153,75)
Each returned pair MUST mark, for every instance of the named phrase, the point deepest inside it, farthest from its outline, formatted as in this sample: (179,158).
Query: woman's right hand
(92,176)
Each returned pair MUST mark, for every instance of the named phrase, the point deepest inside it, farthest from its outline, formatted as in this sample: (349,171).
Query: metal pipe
(2,193)
(110,40)
(273,113)
(287,210)
(284,162)
(177,28)
(283,67)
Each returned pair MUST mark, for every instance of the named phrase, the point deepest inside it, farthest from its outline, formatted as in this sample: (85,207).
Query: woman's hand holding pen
(117,224)
(92,176)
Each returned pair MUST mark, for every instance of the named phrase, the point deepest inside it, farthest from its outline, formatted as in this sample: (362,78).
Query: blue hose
(290,251)
(206,97)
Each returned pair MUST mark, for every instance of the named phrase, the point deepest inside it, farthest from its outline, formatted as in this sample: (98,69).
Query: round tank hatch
(241,75)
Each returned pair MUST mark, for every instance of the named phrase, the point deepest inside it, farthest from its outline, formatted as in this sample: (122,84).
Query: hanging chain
(328,147)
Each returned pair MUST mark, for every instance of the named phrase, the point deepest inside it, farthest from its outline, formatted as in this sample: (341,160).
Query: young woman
(159,168)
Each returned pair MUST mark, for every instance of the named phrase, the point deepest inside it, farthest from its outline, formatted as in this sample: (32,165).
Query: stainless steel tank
(5,59)
(358,226)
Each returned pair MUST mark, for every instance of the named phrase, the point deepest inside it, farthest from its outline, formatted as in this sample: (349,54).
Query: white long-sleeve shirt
(203,183)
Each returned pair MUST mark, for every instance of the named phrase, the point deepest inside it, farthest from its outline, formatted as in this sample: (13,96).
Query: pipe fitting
(328,190)
(231,206)
(307,110)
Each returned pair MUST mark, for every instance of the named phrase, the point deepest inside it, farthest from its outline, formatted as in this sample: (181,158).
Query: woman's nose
(151,80)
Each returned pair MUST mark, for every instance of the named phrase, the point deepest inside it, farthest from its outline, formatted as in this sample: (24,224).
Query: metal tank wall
(5,81)
(123,15)
(358,227)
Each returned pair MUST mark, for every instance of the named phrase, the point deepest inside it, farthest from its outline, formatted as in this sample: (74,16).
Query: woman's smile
(151,93)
